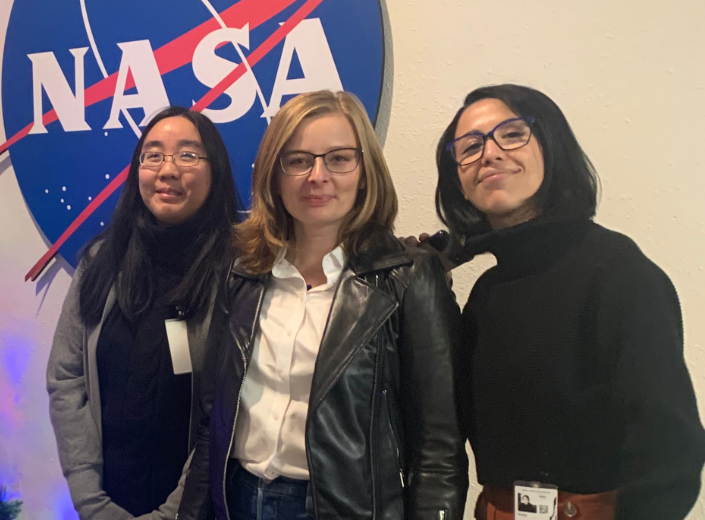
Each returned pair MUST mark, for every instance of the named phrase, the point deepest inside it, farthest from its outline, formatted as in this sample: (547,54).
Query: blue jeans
(251,498)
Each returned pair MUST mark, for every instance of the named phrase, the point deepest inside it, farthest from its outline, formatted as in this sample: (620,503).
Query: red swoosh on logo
(176,53)
(256,55)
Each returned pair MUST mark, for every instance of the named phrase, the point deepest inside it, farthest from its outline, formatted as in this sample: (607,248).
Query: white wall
(28,315)
(630,78)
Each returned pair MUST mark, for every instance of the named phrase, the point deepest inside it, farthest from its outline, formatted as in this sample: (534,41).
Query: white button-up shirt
(271,424)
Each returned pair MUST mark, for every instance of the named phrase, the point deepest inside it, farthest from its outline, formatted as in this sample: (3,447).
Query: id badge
(177,336)
(535,501)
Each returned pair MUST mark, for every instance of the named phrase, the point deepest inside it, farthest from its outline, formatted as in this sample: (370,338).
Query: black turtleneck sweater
(145,407)
(577,376)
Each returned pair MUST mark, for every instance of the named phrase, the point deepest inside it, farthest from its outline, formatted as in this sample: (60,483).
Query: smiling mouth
(492,175)
(318,200)
(168,192)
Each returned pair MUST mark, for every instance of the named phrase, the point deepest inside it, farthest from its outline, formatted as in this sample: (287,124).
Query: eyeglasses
(156,159)
(509,135)
(342,160)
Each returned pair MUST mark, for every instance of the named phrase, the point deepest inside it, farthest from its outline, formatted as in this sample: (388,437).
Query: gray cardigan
(74,407)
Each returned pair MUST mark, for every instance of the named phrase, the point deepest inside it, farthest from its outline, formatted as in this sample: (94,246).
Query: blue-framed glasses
(509,135)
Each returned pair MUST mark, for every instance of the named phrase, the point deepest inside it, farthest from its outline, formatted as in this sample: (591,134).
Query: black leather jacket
(382,434)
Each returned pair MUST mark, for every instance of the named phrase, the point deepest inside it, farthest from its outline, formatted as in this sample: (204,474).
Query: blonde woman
(333,378)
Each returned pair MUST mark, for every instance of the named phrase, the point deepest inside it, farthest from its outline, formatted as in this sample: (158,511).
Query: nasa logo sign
(81,79)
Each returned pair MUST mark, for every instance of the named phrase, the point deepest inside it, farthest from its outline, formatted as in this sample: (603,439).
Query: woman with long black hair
(125,364)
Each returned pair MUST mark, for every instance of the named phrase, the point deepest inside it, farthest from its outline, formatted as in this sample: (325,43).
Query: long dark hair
(570,183)
(117,257)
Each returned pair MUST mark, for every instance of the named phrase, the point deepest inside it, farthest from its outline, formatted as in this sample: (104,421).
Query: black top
(145,407)
(577,370)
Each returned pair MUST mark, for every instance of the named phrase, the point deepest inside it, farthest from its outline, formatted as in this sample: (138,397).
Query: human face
(173,194)
(320,200)
(501,184)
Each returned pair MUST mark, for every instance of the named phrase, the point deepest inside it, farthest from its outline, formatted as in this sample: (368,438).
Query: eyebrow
(182,143)
(477,131)
(333,149)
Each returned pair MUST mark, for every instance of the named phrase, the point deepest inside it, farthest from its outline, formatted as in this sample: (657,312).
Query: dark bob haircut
(122,261)
(570,184)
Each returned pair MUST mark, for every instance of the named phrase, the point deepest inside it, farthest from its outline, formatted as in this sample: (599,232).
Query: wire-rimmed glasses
(340,160)
(156,159)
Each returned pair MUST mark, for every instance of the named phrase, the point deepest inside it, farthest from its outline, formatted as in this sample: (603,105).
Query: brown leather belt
(497,503)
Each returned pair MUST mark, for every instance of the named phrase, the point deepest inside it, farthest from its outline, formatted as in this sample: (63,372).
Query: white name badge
(177,335)
(535,501)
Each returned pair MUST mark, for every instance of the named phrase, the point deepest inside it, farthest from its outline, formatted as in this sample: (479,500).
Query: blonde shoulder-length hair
(270,229)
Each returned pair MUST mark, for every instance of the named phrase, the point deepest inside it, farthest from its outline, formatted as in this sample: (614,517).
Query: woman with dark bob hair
(574,364)
(126,360)
(332,358)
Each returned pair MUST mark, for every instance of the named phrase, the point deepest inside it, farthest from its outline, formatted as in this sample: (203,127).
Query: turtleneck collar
(173,248)
(529,247)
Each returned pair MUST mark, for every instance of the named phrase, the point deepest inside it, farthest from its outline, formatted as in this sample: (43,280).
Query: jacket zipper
(232,433)
(180,312)
(372,432)
(372,418)
(190,419)
(239,397)
(396,441)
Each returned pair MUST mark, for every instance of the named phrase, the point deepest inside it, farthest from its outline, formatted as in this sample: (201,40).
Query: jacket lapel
(247,294)
(357,311)
(197,330)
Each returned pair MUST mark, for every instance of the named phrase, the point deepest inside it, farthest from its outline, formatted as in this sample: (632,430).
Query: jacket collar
(383,252)
(358,310)
(237,270)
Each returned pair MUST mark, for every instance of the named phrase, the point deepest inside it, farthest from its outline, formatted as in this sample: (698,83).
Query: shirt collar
(333,265)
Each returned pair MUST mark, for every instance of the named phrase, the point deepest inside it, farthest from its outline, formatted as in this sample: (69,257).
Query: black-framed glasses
(340,160)
(156,159)
(509,135)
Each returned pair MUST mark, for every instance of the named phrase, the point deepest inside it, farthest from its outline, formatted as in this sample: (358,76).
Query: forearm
(89,499)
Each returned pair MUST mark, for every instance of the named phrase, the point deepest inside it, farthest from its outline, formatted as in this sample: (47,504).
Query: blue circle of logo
(80,80)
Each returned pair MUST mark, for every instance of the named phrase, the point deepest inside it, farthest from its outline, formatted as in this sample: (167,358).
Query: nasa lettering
(81,79)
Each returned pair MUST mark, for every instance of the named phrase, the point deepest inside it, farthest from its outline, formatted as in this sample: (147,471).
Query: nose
(168,168)
(491,151)
(319,172)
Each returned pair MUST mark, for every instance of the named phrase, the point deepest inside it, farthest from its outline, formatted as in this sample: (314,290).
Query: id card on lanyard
(535,501)
(177,336)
